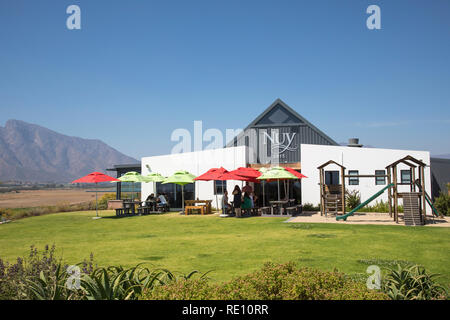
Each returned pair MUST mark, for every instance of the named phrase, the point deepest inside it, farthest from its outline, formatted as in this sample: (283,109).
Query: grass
(228,246)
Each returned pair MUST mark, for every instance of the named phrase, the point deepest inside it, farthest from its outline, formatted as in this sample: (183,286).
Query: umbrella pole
(264,195)
(217,199)
(278,180)
(223,205)
(96,199)
(182,198)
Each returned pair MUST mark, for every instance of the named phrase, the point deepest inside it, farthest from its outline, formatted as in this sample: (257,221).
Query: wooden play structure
(416,199)
(332,196)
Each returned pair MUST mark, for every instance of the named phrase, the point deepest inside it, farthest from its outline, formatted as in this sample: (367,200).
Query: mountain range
(29,152)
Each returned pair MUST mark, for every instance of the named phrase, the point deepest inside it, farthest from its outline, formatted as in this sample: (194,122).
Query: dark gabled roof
(294,115)
(124,166)
(330,162)
(406,160)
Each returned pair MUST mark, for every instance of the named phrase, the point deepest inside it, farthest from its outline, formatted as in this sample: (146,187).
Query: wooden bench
(188,209)
(197,203)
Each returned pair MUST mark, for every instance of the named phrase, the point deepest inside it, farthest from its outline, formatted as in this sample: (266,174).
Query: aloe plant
(412,283)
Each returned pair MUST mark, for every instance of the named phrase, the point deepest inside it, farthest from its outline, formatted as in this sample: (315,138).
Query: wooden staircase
(411,210)
(333,203)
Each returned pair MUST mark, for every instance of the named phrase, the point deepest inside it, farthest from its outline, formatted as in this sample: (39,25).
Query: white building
(280,136)
(360,161)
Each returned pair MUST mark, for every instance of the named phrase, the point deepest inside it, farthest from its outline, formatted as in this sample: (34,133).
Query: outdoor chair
(264,210)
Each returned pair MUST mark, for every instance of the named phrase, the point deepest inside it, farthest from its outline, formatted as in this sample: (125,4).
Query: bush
(38,276)
(310,207)
(442,204)
(352,199)
(43,277)
(103,201)
(412,283)
(272,282)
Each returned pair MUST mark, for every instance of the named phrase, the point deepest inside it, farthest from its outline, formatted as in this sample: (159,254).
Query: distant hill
(442,156)
(29,152)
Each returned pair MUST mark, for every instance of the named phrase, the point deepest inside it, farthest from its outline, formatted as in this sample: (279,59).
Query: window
(331,177)
(220,186)
(405,176)
(353,181)
(380,180)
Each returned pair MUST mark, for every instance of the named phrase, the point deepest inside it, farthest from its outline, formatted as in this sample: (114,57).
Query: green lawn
(229,246)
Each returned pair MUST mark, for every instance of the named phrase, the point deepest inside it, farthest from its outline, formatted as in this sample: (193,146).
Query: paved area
(366,218)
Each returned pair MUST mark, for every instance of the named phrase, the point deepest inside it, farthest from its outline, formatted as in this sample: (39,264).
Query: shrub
(412,283)
(442,204)
(310,207)
(103,201)
(379,206)
(43,277)
(38,276)
(272,282)
(352,199)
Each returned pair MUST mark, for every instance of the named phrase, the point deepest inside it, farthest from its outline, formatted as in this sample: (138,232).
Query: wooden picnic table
(132,203)
(281,204)
(204,203)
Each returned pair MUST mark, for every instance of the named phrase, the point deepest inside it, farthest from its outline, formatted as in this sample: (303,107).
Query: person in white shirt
(162,199)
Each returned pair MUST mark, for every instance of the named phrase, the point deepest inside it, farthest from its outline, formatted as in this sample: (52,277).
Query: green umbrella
(154,177)
(181,178)
(277,173)
(132,176)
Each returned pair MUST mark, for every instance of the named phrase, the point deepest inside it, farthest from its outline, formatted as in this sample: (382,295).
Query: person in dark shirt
(237,200)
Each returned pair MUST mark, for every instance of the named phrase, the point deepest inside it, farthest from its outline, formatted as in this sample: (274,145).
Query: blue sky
(137,70)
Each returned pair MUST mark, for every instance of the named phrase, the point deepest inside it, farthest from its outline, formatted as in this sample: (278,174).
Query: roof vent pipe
(354,142)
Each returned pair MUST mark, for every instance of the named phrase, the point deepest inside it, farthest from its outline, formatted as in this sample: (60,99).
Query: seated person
(161,200)
(150,201)
(247,203)
(226,204)
(254,198)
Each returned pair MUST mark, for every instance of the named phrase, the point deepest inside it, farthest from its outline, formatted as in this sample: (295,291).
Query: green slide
(376,195)
(427,197)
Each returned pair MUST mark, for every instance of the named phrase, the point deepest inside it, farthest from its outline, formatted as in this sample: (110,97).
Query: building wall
(196,163)
(365,160)
(440,170)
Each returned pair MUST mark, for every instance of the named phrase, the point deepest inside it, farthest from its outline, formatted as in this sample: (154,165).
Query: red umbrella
(95,177)
(295,173)
(212,174)
(247,172)
(233,176)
